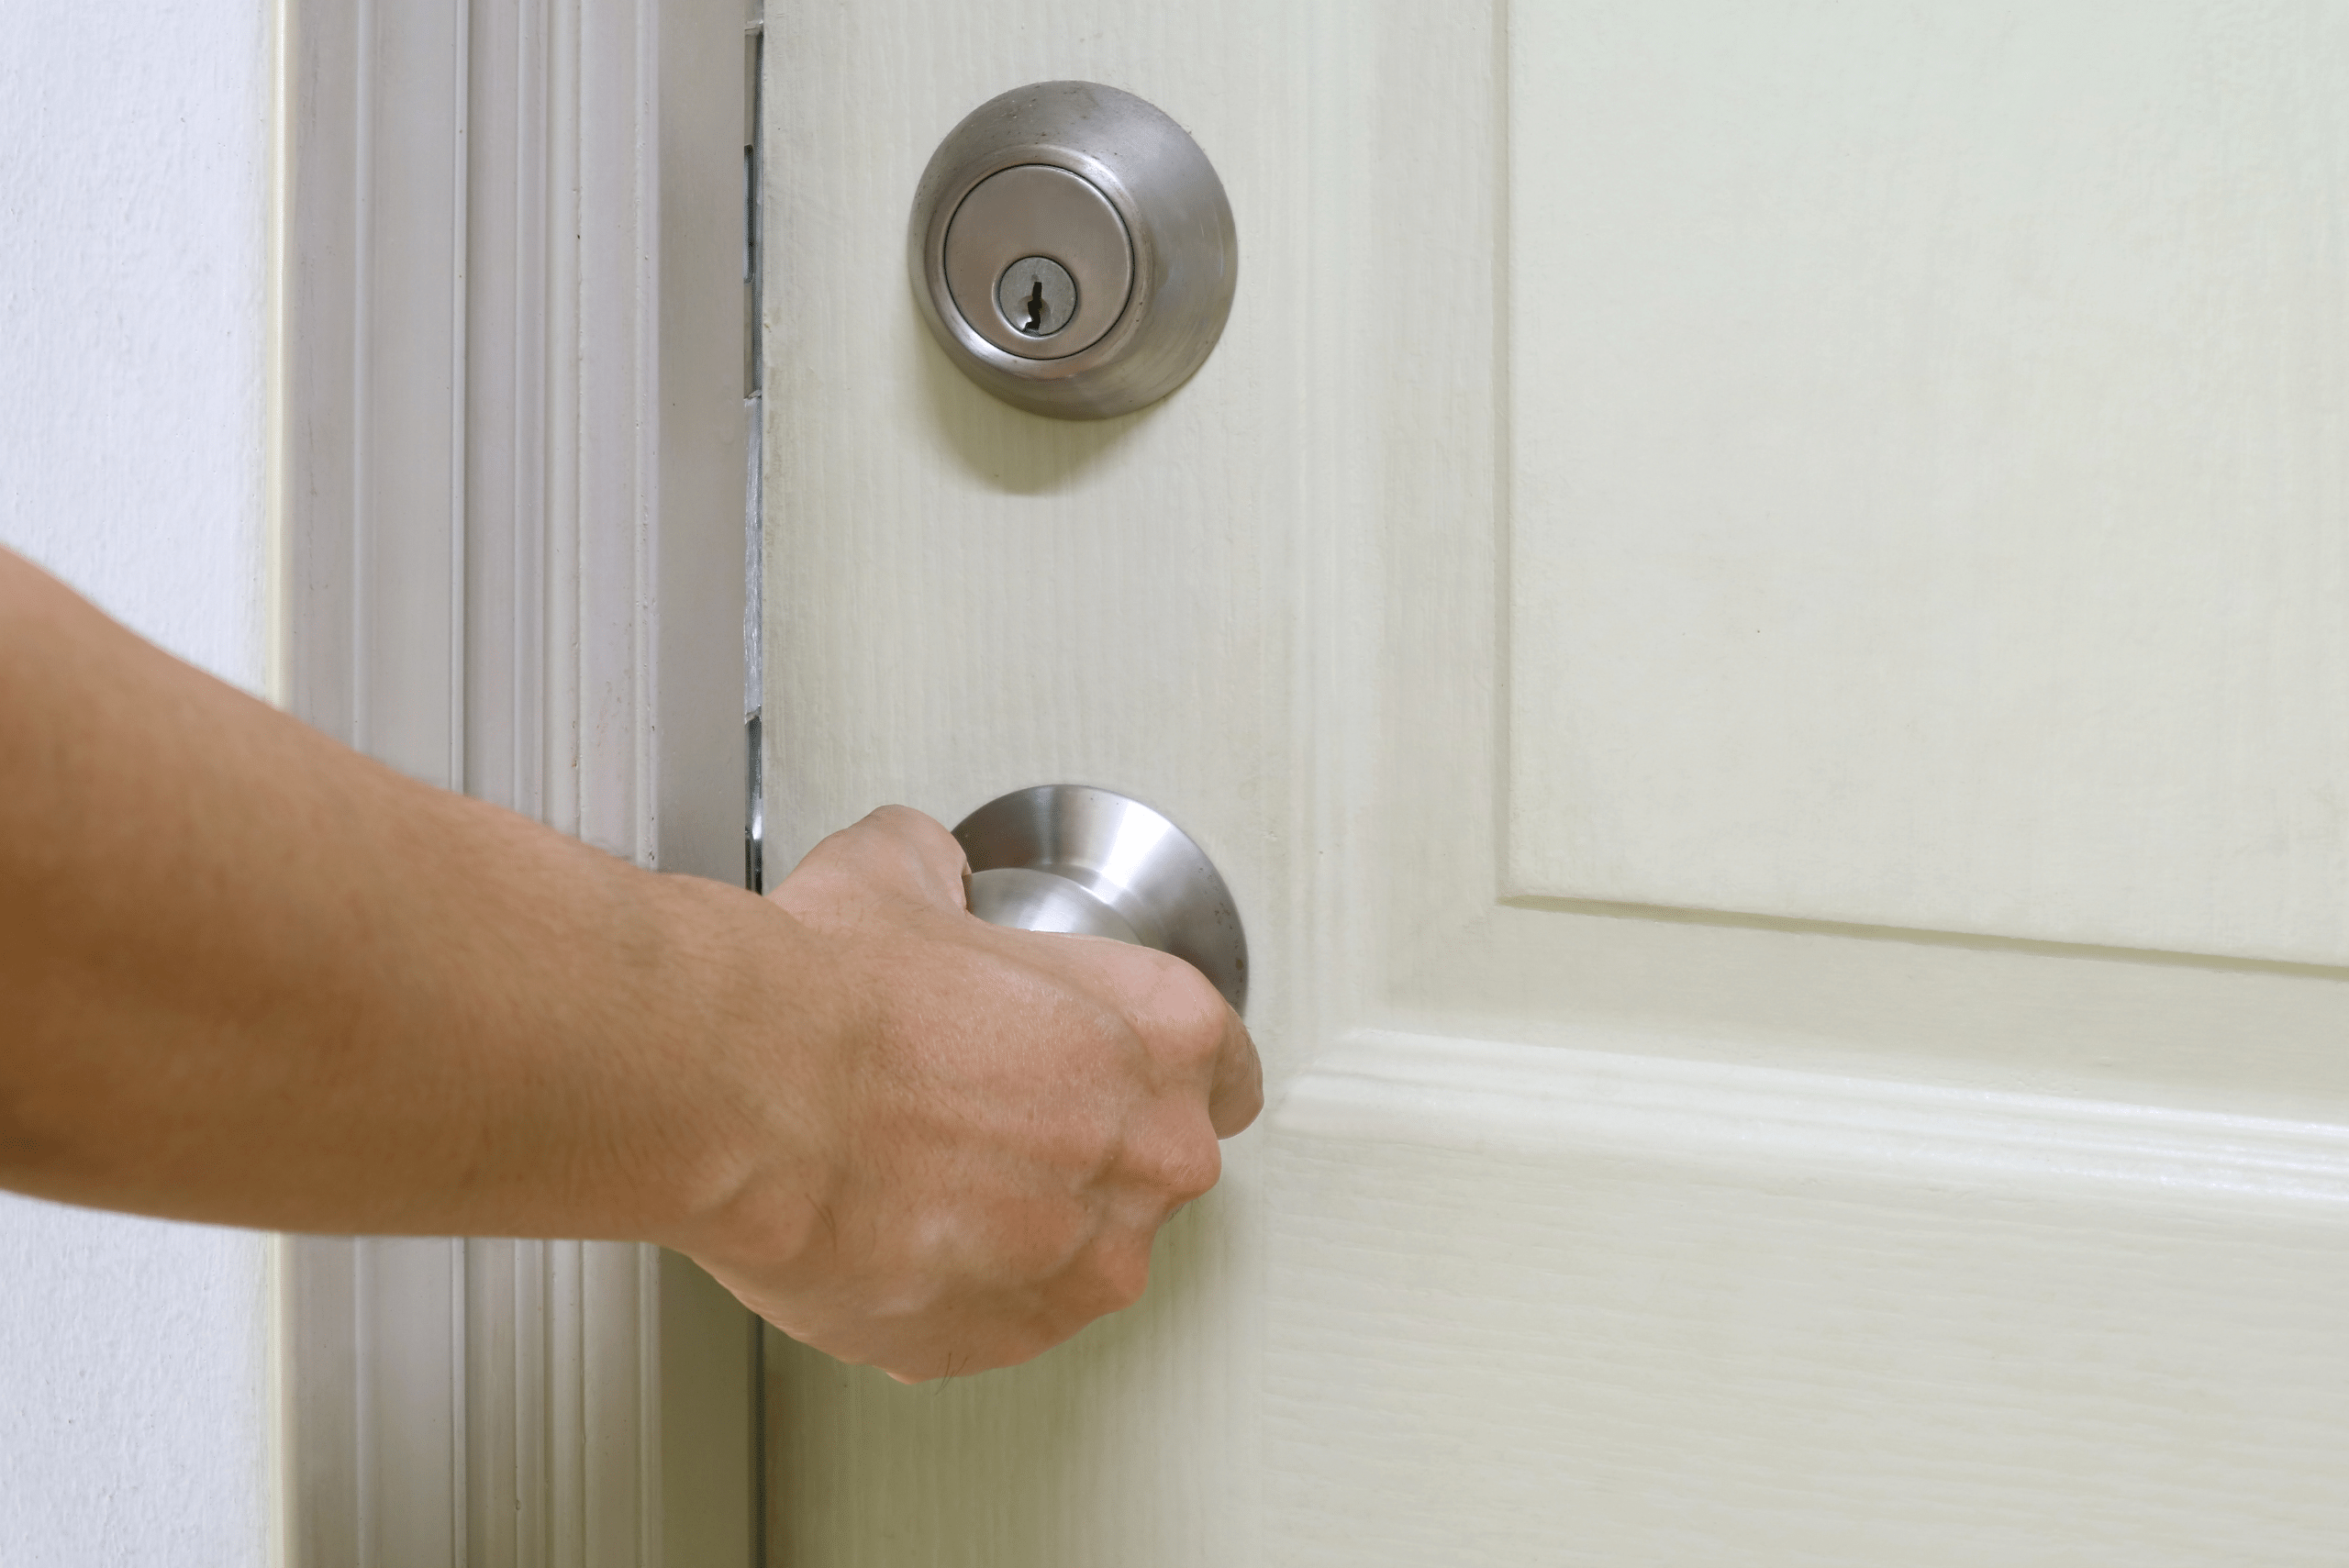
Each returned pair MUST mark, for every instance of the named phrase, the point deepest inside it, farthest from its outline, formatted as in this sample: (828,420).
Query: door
(1756,606)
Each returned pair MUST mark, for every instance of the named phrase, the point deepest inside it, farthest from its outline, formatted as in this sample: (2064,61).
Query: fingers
(1185,1022)
(1236,1090)
(927,856)
(1182,1018)
(896,854)
(1110,1277)
(1012,1322)
(1026,1111)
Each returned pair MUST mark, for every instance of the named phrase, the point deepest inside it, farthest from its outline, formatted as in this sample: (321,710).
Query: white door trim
(509,444)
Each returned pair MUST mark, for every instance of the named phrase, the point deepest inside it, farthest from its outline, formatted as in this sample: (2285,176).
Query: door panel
(1776,1228)
(1538,1305)
(1928,474)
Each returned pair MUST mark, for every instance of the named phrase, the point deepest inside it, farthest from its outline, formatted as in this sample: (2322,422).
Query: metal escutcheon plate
(1093,863)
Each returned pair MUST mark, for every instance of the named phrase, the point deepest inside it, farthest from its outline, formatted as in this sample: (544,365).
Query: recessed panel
(1930,466)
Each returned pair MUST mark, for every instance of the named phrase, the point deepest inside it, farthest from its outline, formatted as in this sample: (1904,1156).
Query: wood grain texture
(1931,507)
(1135,1443)
(987,578)
(1532,1304)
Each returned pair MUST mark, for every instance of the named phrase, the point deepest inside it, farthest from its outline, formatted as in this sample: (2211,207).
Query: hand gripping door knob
(1092,863)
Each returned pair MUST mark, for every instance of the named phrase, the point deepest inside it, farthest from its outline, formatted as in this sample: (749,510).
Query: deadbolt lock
(1072,251)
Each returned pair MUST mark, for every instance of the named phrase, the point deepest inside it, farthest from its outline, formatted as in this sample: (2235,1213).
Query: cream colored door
(1756,605)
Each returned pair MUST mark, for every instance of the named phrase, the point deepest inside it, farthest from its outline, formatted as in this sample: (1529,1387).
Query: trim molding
(508,540)
(1649,1096)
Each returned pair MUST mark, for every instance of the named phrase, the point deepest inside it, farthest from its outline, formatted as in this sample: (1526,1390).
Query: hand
(1007,1119)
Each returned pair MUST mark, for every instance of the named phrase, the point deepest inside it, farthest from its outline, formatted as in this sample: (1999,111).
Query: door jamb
(507,442)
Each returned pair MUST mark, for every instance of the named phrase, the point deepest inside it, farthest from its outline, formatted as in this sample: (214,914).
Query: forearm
(248,976)
(253,977)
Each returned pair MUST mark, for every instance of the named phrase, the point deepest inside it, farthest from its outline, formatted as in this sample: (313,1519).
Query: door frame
(508,442)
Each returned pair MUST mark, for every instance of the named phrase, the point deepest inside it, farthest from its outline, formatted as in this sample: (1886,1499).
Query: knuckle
(1110,1276)
(1195,1013)
(1123,1271)
(899,819)
(1243,1090)
(1186,1167)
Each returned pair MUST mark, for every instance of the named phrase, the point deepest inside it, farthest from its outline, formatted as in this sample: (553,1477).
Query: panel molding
(1585,1303)
(1640,1092)
(507,552)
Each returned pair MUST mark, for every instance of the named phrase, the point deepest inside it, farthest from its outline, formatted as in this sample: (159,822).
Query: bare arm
(248,976)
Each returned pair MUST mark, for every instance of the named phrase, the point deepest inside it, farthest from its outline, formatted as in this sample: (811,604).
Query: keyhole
(1036,296)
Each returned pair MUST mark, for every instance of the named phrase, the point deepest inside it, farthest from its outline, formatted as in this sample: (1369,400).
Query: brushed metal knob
(1093,863)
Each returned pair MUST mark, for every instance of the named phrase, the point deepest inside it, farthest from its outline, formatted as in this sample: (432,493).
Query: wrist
(763,1014)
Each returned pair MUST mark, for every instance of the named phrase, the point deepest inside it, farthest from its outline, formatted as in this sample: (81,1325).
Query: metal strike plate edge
(1185,247)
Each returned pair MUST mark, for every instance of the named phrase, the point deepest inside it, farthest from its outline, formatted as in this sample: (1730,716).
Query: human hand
(1004,1118)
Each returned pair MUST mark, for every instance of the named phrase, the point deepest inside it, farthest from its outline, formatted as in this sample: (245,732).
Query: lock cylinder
(1073,250)
(1037,262)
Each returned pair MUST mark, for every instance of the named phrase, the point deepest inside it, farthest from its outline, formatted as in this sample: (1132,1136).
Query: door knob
(1092,863)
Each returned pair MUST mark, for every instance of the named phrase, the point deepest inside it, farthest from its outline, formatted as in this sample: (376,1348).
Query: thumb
(897,855)
(923,859)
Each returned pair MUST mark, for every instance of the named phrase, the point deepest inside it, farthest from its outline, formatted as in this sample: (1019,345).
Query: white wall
(133,1420)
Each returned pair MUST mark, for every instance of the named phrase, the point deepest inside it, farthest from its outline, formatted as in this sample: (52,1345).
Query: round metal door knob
(1073,250)
(1093,863)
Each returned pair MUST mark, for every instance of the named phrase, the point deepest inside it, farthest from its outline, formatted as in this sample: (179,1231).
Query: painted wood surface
(1534,1304)
(958,597)
(1582,1228)
(1931,501)
(509,516)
